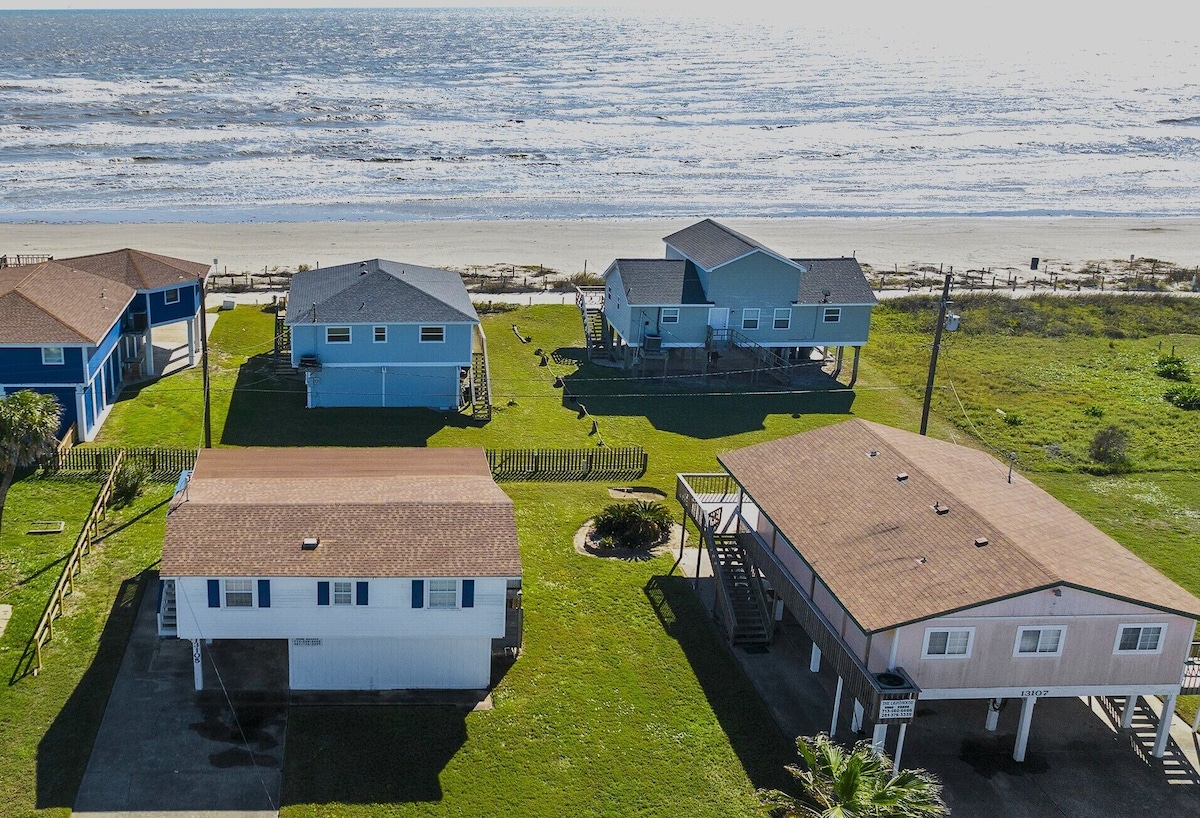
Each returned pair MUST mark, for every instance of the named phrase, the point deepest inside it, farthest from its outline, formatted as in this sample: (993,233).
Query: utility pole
(204,364)
(937,343)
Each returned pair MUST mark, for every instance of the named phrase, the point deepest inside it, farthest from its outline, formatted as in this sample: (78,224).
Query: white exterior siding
(389,664)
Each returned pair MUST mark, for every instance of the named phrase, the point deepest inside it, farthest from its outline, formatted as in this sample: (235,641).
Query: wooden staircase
(743,612)
(481,394)
(590,301)
(167,609)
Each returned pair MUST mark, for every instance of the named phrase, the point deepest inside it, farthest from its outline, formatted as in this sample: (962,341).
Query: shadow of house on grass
(63,753)
(268,409)
(753,734)
(370,755)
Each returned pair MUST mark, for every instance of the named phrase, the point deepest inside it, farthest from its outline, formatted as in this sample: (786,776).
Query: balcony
(715,504)
(1191,672)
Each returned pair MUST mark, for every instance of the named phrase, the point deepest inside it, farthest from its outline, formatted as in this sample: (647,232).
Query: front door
(718,317)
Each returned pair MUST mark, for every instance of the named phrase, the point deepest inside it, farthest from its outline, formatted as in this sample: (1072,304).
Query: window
(337,335)
(171,296)
(750,319)
(239,593)
(381,335)
(433,335)
(341,593)
(832,315)
(954,643)
(1139,639)
(443,593)
(52,356)
(1039,642)
(670,315)
(783,318)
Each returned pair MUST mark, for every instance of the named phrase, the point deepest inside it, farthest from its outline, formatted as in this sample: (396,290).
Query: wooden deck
(1191,672)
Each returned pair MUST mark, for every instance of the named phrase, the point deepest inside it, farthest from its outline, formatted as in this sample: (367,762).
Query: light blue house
(717,289)
(384,333)
(81,328)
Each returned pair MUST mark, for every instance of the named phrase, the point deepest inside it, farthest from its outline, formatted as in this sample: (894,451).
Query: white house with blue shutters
(386,333)
(378,569)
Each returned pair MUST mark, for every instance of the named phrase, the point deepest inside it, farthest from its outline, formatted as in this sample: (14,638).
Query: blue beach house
(718,291)
(388,334)
(82,328)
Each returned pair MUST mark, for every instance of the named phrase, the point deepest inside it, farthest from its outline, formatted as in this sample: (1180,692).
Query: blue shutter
(418,593)
(322,593)
(214,593)
(468,593)
(360,591)
(264,593)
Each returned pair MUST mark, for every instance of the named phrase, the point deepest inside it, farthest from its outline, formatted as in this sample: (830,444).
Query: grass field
(624,702)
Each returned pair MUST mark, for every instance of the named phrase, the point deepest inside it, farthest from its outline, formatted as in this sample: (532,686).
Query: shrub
(1110,447)
(1172,367)
(1013,419)
(1094,411)
(127,485)
(1186,396)
(640,524)
(485,307)
(303,268)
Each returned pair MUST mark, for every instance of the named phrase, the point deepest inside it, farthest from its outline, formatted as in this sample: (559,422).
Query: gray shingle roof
(711,244)
(891,559)
(378,291)
(378,512)
(660,281)
(843,277)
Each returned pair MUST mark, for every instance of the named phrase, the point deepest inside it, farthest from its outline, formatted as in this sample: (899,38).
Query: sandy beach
(567,246)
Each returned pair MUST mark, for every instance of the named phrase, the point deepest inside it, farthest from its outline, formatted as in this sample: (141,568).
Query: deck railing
(1191,672)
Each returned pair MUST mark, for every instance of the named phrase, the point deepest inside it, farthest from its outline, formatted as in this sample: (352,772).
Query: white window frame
(441,330)
(329,339)
(335,592)
(746,317)
(670,315)
(970,632)
(380,330)
(48,360)
(1140,626)
(448,586)
(171,296)
(1021,631)
(786,314)
(832,315)
(248,590)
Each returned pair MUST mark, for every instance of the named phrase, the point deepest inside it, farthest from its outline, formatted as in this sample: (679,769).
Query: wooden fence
(44,631)
(600,463)
(160,463)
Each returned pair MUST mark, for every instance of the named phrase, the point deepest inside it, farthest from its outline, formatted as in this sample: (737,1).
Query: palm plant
(28,423)
(639,524)
(855,783)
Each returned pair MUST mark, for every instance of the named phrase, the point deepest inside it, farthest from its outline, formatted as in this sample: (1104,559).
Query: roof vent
(310,543)
(901,477)
(873,453)
(939,508)
(980,542)
(922,560)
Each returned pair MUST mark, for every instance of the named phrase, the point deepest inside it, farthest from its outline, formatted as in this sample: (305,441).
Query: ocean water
(532,113)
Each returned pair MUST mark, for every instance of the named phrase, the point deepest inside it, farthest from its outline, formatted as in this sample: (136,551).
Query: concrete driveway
(164,748)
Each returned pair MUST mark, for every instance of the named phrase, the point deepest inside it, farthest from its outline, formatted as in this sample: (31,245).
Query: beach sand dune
(565,246)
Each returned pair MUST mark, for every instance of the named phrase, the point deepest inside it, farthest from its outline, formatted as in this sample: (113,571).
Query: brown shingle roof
(139,269)
(54,303)
(890,558)
(377,512)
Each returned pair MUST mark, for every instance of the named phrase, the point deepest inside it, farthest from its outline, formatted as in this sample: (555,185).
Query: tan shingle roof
(890,558)
(139,269)
(378,512)
(53,303)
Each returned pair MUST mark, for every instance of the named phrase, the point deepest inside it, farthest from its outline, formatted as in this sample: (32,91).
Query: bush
(641,524)
(1013,419)
(1110,447)
(485,307)
(1186,396)
(127,485)
(1094,411)
(1172,367)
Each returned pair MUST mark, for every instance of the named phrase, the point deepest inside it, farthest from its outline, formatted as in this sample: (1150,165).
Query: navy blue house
(82,328)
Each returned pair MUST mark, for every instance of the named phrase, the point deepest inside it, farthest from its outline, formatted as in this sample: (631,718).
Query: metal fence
(600,463)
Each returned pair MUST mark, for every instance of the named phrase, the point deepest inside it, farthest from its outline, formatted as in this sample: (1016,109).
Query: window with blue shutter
(418,593)
(468,599)
(360,593)
(264,593)
(214,593)
(322,593)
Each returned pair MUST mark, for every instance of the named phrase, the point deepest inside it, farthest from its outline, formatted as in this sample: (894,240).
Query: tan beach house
(921,569)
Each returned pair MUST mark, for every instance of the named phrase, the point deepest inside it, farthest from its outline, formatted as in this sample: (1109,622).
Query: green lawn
(48,722)
(624,702)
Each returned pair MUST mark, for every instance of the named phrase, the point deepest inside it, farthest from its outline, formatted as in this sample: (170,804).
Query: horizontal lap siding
(390,664)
